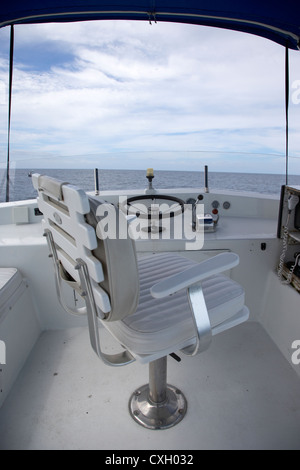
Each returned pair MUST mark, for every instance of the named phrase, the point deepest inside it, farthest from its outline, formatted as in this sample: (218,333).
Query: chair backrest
(78,228)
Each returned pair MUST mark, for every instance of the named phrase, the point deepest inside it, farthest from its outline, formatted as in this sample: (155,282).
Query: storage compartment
(19,328)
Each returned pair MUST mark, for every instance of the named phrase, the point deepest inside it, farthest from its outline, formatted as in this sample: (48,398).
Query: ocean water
(21,185)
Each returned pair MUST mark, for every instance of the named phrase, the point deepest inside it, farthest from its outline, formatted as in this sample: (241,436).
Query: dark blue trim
(276,20)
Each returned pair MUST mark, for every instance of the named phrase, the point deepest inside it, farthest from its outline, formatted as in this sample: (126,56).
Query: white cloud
(129,86)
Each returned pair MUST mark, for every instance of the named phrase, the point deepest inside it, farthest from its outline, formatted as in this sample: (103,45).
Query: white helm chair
(153,307)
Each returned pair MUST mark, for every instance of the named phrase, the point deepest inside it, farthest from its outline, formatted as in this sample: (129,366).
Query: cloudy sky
(134,95)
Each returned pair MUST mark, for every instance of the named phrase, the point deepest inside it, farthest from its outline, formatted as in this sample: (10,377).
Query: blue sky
(133,95)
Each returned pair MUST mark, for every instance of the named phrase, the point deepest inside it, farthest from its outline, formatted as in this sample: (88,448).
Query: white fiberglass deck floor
(242,394)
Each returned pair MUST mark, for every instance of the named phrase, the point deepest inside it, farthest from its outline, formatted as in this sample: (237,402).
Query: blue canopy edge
(272,19)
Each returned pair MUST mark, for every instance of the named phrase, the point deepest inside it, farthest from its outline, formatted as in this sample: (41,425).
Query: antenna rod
(11,60)
(286,114)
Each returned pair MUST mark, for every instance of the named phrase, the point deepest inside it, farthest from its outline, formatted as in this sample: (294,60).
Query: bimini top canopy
(278,20)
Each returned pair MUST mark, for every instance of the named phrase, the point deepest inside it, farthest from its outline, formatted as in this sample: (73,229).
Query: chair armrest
(190,276)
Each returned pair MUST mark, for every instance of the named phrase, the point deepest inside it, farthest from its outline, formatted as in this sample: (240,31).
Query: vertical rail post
(206,178)
(96,182)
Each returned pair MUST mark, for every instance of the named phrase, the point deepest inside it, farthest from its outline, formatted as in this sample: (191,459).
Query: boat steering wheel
(153,206)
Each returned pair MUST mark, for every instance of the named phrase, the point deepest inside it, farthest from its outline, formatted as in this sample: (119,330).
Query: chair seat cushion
(167,324)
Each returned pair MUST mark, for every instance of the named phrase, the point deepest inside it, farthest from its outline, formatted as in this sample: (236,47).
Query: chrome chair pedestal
(158,405)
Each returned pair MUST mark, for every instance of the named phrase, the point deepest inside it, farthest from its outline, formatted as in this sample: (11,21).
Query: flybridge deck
(243,392)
